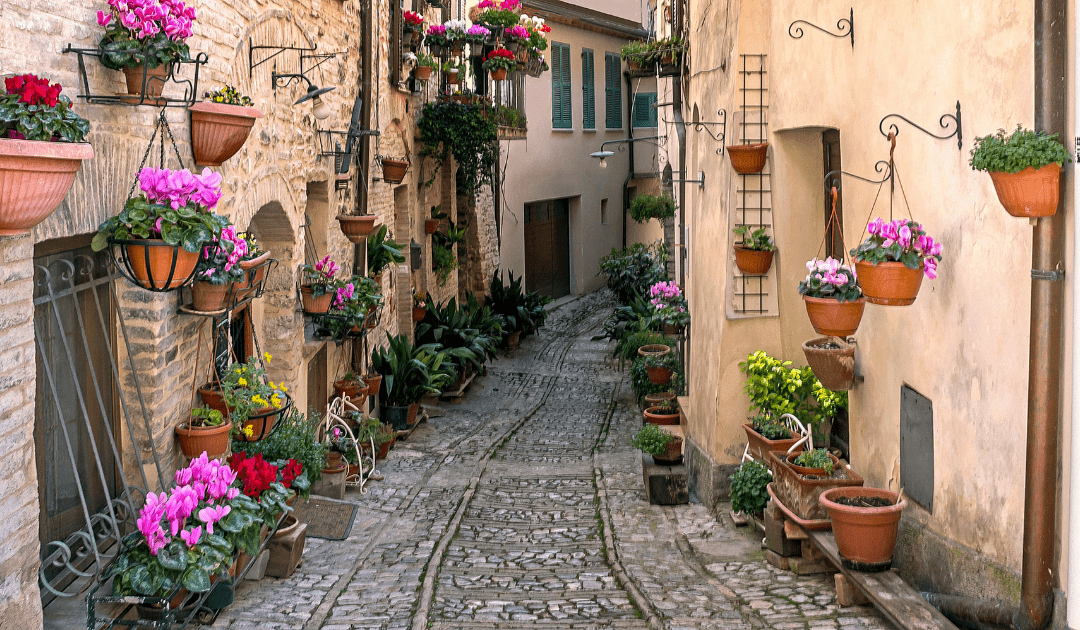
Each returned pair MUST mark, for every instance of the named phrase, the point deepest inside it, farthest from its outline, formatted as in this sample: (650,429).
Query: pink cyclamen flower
(104,18)
(211,515)
(191,536)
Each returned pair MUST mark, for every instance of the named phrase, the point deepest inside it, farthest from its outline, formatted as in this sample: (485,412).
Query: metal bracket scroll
(846,28)
(720,137)
(945,121)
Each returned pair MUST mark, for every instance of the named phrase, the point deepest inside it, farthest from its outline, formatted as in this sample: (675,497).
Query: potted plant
(765,433)
(775,388)
(384,440)
(419,306)
(833,361)
(295,438)
(865,522)
(834,301)
(665,448)
(42,146)
(357,227)
(499,62)
(645,207)
(339,443)
(666,412)
(455,72)
(350,385)
(754,255)
(799,491)
(162,231)
(206,431)
(749,488)
(318,285)
(254,260)
(476,36)
(220,125)
(671,307)
(354,305)
(635,53)
(409,372)
(425,64)
(443,263)
(436,39)
(747,158)
(145,44)
(670,53)
(374,383)
(438,219)
(253,401)
(892,260)
(413,28)
(394,170)
(218,272)
(1025,169)
(660,368)
(383,251)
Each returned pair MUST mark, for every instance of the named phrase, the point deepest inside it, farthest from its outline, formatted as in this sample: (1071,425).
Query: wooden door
(547,247)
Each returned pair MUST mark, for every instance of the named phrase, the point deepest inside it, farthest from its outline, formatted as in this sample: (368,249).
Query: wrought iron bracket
(882,166)
(845,28)
(720,136)
(318,57)
(700,181)
(149,81)
(945,122)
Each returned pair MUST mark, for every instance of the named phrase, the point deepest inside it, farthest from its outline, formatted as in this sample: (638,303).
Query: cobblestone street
(523,507)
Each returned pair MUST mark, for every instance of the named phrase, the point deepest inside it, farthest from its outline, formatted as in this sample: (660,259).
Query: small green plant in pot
(661,445)
(754,254)
(645,207)
(749,488)
(1025,168)
(817,462)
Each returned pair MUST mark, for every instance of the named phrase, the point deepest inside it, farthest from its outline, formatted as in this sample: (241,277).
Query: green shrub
(1020,150)
(651,440)
(631,271)
(749,494)
(645,207)
(775,388)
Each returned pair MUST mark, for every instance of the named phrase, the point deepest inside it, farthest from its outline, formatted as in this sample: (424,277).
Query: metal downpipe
(968,612)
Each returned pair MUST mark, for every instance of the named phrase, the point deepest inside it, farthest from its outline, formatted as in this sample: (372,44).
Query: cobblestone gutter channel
(524,508)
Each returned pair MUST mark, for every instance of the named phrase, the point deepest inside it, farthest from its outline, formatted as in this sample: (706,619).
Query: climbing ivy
(469,132)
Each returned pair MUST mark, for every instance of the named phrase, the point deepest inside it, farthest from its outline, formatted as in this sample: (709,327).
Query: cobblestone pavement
(524,508)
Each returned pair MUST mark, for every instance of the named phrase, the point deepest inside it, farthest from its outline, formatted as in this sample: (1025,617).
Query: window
(645,110)
(588,90)
(613,87)
(561,113)
(603,212)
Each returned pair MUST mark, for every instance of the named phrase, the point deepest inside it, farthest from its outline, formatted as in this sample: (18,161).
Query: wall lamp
(309,59)
(603,155)
(314,93)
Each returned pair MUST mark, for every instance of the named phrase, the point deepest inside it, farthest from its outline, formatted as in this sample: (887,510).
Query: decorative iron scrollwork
(845,28)
(946,121)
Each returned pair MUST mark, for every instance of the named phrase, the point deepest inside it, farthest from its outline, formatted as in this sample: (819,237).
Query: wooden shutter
(613,87)
(644,113)
(561,113)
(588,90)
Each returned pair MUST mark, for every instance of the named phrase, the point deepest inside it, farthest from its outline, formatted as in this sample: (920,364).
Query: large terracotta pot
(748,158)
(34,178)
(357,228)
(654,416)
(753,262)
(889,283)
(394,170)
(431,226)
(800,493)
(414,410)
(834,367)
(864,534)
(219,130)
(498,74)
(313,304)
(213,440)
(761,445)
(208,297)
(658,375)
(159,255)
(155,80)
(1030,192)
(833,317)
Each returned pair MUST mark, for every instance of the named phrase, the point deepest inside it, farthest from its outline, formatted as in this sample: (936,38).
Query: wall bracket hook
(945,122)
(845,28)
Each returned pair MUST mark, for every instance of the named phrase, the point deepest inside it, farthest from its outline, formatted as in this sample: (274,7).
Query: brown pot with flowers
(893,278)
(834,301)
(220,125)
(1025,168)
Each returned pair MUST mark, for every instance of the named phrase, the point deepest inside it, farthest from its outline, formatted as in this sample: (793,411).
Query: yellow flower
(272,386)
(242,381)
(276,401)
(266,355)
(258,399)
(248,431)
(283,388)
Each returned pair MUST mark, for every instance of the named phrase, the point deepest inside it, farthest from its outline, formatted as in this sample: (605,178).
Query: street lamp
(603,155)
(314,93)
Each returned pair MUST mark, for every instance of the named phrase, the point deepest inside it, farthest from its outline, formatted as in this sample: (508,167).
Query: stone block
(775,538)
(778,561)
(331,485)
(286,552)
(664,485)
(258,566)
(711,482)
(801,566)
(847,594)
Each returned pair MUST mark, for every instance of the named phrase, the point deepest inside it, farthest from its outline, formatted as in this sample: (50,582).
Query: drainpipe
(366,71)
(1072,591)
(1045,341)
(630,170)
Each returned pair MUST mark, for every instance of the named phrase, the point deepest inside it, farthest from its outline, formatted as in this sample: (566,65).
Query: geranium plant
(175,207)
(902,240)
(832,279)
(499,14)
(413,21)
(670,305)
(436,35)
(34,109)
(499,59)
(320,277)
(145,32)
(477,34)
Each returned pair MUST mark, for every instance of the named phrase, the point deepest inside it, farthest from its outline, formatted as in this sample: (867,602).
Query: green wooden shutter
(644,112)
(561,113)
(588,90)
(613,87)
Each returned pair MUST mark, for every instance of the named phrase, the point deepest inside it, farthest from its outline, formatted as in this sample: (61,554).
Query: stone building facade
(278,187)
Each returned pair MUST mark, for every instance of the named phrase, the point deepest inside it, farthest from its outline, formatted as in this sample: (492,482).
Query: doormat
(326,518)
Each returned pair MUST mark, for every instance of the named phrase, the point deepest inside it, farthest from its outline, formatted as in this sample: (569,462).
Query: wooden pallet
(457,395)
(420,419)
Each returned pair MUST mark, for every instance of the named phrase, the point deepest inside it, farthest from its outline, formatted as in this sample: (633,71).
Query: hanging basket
(833,317)
(498,74)
(394,170)
(315,304)
(262,423)
(422,73)
(34,179)
(753,262)
(357,228)
(833,362)
(747,159)
(889,283)
(218,130)
(1030,192)
(195,440)
(153,264)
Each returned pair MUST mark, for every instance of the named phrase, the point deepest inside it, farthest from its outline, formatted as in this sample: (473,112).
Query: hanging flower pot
(883,271)
(219,130)
(431,226)
(357,228)
(394,170)
(35,176)
(418,313)
(1025,168)
(833,317)
(753,262)
(748,158)
(315,303)
(498,74)
(255,272)
(833,299)
(158,266)
(214,440)
(422,73)
(833,361)
(889,283)
(865,522)
(1030,192)
(148,84)
(206,297)
(453,76)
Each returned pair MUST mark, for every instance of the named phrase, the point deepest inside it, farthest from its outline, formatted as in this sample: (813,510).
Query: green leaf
(196,579)
(173,556)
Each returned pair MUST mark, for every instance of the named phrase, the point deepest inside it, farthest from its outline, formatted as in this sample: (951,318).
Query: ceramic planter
(194,440)
(155,80)
(653,415)
(498,74)
(747,159)
(658,375)
(206,297)
(654,350)
(761,445)
(156,265)
(800,494)
(213,398)
(889,283)
(834,367)
(357,228)
(313,304)
(1030,192)
(394,170)
(672,453)
(34,178)
(753,262)
(864,534)
(218,130)
(833,317)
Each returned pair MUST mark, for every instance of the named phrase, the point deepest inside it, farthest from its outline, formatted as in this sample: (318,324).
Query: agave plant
(451,327)
(410,372)
(523,312)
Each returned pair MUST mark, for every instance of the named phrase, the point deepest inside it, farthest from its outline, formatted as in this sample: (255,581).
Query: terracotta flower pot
(208,297)
(218,130)
(155,80)
(498,74)
(864,534)
(514,339)
(889,283)
(422,73)
(260,425)
(654,350)
(799,493)
(453,77)
(753,262)
(418,313)
(313,304)
(357,228)
(806,470)
(374,382)
(151,263)
(658,375)
(195,440)
(34,178)
(214,399)
(394,170)
(834,367)
(672,453)
(333,460)
(761,445)
(352,389)
(653,415)
(659,398)
(384,448)
(1030,192)
(252,281)
(414,410)
(748,158)
(431,226)
(833,317)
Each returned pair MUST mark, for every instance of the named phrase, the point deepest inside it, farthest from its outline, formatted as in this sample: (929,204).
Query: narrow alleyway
(524,508)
